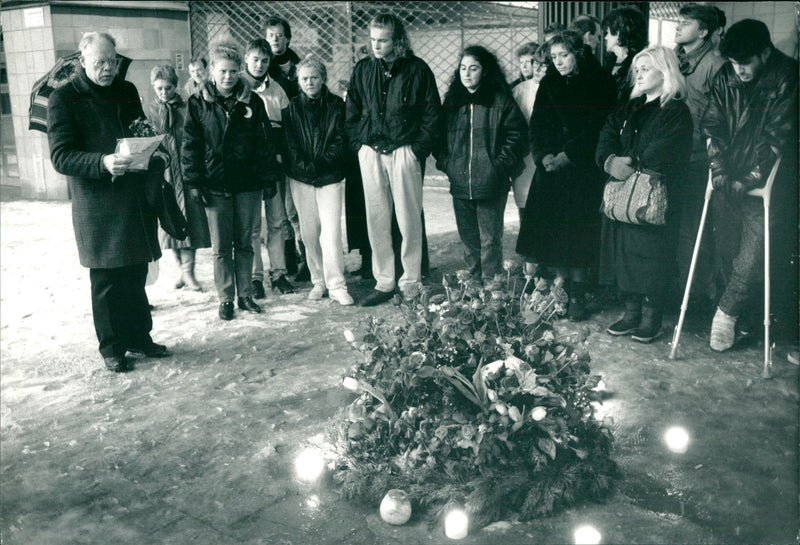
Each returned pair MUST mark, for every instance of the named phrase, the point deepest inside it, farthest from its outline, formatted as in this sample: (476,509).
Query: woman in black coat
(561,223)
(652,131)
(625,35)
(484,142)
(167,114)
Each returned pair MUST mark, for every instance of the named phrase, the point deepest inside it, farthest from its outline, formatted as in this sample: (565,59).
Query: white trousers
(320,213)
(393,180)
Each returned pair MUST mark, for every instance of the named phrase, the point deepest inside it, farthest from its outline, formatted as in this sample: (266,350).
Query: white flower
(538,413)
(513,412)
(350,383)
(492,368)
(501,409)
(348,336)
(492,395)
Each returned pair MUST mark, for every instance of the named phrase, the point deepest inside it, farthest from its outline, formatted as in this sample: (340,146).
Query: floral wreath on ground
(475,398)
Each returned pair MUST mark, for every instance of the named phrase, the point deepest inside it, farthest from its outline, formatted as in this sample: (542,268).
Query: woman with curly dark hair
(625,32)
(481,153)
(560,227)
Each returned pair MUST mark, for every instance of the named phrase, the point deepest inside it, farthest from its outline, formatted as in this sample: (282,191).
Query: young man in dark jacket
(116,235)
(392,117)
(752,114)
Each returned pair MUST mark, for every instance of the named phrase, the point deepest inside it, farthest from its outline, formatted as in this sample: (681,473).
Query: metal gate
(336,32)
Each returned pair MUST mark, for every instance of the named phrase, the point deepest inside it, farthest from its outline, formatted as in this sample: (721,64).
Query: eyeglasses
(109,63)
(539,65)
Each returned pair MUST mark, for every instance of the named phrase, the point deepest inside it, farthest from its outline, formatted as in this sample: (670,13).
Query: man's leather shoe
(118,364)
(247,303)
(226,310)
(152,350)
(258,290)
(282,285)
(376,298)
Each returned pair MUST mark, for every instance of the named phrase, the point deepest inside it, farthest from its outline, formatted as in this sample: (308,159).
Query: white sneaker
(317,292)
(341,296)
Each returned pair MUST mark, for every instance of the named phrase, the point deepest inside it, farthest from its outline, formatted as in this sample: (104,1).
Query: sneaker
(624,326)
(317,292)
(258,290)
(723,331)
(282,285)
(647,334)
(341,296)
(226,310)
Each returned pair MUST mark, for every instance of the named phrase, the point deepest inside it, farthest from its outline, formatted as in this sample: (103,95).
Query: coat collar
(208,92)
(83,85)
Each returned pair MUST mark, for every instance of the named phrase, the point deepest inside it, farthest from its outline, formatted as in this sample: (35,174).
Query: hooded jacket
(228,145)
(316,142)
(744,120)
(486,137)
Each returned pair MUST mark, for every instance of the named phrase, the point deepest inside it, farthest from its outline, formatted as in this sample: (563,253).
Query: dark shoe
(376,298)
(247,303)
(258,290)
(282,285)
(152,350)
(303,274)
(118,364)
(624,326)
(577,310)
(226,310)
(650,327)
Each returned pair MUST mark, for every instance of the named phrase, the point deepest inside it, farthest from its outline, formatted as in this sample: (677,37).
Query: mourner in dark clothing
(114,229)
(561,223)
(753,109)
(625,35)
(652,132)
(484,141)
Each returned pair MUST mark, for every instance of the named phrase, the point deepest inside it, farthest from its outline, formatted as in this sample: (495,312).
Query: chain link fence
(337,33)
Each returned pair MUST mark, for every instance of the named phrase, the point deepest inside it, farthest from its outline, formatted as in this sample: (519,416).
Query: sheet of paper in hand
(140,149)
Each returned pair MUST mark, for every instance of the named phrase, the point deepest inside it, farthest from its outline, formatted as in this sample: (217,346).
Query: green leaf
(426,371)
(547,446)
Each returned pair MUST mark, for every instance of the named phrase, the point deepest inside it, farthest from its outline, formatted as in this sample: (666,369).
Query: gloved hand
(200,196)
(619,167)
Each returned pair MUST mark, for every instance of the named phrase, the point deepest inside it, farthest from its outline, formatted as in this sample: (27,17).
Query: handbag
(639,200)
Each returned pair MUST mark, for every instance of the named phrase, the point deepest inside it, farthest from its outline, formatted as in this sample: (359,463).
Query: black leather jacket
(744,120)
(316,142)
(386,113)
(228,146)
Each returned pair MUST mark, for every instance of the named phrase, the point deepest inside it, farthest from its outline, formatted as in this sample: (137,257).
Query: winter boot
(577,302)
(187,270)
(291,256)
(630,320)
(303,274)
(650,327)
(179,281)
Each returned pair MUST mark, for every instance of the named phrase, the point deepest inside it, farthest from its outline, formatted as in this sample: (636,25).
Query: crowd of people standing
(260,125)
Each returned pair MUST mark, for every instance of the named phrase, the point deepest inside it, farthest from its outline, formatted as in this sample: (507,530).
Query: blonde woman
(652,131)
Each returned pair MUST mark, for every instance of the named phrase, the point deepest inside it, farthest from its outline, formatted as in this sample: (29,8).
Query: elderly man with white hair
(116,235)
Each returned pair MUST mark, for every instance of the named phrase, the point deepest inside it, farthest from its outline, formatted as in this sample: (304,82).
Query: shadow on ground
(198,448)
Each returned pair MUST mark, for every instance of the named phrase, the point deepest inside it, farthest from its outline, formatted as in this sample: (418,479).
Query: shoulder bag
(639,200)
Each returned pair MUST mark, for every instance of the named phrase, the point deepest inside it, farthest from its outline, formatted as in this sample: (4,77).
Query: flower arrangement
(475,398)
(141,127)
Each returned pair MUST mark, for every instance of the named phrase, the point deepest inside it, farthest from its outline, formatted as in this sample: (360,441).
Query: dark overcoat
(169,117)
(639,258)
(113,227)
(561,222)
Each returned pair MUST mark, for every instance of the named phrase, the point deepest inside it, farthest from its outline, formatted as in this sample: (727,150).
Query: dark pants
(480,227)
(230,221)
(120,308)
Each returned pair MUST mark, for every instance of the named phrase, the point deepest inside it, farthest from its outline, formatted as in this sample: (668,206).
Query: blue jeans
(747,271)
(480,226)
(230,222)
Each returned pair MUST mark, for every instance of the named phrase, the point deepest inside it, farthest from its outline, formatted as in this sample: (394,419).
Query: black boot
(577,302)
(650,327)
(630,320)
(291,256)
(303,274)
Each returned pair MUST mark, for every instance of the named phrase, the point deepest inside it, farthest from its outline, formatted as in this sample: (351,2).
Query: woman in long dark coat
(625,35)
(652,131)
(561,224)
(167,113)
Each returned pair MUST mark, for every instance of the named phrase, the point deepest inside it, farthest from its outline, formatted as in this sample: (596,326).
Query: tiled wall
(149,37)
(780,18)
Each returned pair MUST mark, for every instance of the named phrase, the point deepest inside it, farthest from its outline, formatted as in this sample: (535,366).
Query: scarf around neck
(687,62)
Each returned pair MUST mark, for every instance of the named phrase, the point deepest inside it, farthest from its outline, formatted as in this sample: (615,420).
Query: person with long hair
(167,113)
(625,35)
(561,225)
(485,139)
(229,161)
(652,131)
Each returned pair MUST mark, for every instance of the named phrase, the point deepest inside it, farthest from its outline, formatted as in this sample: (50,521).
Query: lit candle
(456,524)
(677,439)
(587,535)
(309,465)
(395,507)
